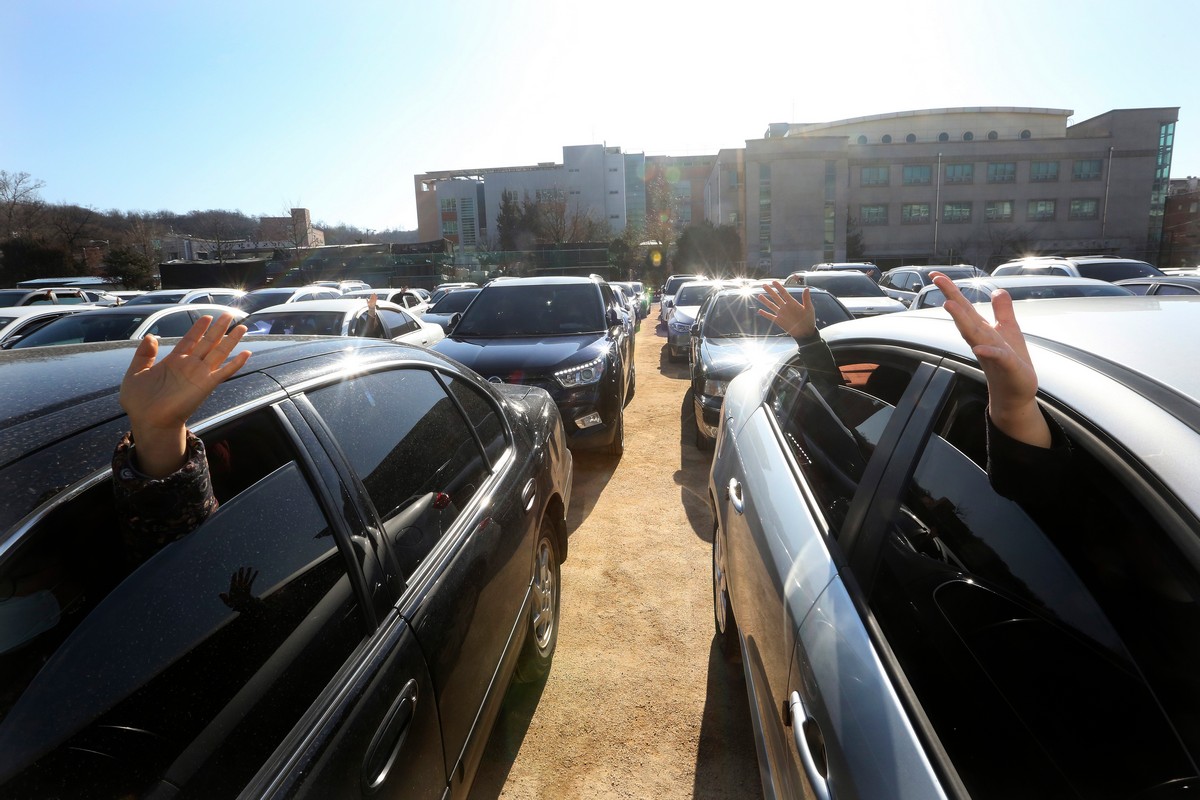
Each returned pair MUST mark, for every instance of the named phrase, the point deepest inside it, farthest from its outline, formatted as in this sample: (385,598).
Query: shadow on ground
(520,701)
(725,734)
(692,475)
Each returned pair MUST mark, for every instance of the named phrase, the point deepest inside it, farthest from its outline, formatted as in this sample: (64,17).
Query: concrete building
(1181,224)
(592,180)
(976,185)
(293,231)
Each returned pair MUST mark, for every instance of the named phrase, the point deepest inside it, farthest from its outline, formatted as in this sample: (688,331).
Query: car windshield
(295,323)
(845,284)
(156,297)
(1117,270)
(256,301)
(736,315)
(673,285)
(538,310)
(454,301)
(79,328)
(11,297)
(1076,290)
(694,295)
(955,273)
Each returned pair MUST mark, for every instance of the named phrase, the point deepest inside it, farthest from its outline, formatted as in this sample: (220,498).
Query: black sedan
(907,630)
(384,559)
(564,335)
(730,336)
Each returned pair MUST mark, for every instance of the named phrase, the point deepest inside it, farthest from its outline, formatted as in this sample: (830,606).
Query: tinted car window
(482,413)
(1010,621)
(412,449)
(1116,270)
(192,665)
(296,323)
(451,302)
(1167,288)
(694,295)
(736,315)
(1138,288)
(172,325)
(84,328)
(534,310)
(397,322)
(844,284)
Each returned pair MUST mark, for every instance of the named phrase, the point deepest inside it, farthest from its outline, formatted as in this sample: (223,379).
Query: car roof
(16,312)
(342,305)
(1181,280)
(542,280)
(1082,327)
(1005,281)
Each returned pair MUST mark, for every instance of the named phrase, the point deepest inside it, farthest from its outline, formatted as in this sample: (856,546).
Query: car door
(178,669)
(449,500)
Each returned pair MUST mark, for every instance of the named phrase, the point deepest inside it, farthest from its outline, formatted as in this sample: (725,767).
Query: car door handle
(807,735)
(529,495)
(381,755)
(734,492)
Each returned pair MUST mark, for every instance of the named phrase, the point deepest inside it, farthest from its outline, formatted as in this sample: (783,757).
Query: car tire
(617,446)
(542,636)
(671,356)
(723,619)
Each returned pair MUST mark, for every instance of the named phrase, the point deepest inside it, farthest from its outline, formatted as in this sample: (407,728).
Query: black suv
(384,558)
(562,334)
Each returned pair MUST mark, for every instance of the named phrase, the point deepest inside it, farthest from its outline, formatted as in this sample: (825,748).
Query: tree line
(40,239)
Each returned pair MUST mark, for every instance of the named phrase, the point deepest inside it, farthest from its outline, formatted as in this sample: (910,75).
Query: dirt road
(638,703)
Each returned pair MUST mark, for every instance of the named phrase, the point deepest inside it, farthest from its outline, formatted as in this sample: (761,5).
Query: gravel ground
(639,702)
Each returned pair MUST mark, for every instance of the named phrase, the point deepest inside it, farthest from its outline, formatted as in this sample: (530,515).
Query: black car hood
(725,358)
(532,356)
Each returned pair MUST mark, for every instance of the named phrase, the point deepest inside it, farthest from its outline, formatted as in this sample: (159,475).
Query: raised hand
(797,317)
(159,397)
(1004,357)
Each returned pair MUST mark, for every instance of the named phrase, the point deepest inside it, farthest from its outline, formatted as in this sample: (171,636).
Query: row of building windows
(994,211)
(1086,169)
(968,136)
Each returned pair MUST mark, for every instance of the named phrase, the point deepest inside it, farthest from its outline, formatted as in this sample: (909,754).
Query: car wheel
(672,356)
(726,624)
(617,446)
(542,636)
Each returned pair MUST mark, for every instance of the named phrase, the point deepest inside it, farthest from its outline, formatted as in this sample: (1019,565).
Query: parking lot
(639,703)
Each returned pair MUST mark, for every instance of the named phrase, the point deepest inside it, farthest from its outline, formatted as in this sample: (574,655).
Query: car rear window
(847,284)
(1116,270)
(296,323)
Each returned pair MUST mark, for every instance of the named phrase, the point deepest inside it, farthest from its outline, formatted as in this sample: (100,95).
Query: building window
(918,175)
(574,191)
(1002,172)
(914,213)
(449,228)
(614,216)
(873,214)
(968,137)
(998,211)
(1040,210)
(612,169)
(1043,171)
(887,138)
(943,137)
(1025,134)
(993,136)
(862,140)
(613,191)
(956,212)
(875,176)
(764,210)
(1087,169)
(912,137)
(449,206)
(960,173)
(1084,209)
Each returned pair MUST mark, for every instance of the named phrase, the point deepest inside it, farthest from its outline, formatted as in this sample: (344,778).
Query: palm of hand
(170,391)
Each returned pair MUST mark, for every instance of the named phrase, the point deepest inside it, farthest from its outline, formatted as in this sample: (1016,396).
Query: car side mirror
(452,323)
(612,318)
(696,330)
(10,341)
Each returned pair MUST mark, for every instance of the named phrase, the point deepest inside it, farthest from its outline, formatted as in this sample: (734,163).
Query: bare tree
(72,225)
(221,229)
(20,202)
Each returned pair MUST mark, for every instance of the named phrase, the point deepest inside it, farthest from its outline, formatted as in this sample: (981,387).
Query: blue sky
(261,106)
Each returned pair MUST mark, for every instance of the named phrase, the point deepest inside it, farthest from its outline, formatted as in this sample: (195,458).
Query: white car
(1021,287)
(861,295)
(408,298)
(122,322)
(682,313)
(342,317)
(20,321)
(219,295)
(277,295)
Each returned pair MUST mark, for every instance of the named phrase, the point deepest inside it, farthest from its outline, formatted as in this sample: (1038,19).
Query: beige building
(294,231)
(974,185)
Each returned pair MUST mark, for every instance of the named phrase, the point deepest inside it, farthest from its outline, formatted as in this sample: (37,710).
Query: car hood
(539,355)
(723,359)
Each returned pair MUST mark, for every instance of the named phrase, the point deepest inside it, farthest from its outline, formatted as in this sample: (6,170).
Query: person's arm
(1004,358)
(161,482)
(798,318)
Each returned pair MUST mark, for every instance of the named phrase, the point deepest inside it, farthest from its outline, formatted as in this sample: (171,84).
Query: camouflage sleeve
(154,512)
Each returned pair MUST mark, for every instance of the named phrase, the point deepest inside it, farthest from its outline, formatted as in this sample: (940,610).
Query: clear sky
(260,105)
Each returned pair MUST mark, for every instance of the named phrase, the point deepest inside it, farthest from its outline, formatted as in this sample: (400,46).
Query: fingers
(231,367)
(143,356)
(194,335)
(222,345)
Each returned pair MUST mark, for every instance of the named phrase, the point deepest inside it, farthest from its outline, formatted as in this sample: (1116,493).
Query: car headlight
(581,375)
(715,388)
(680,327)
